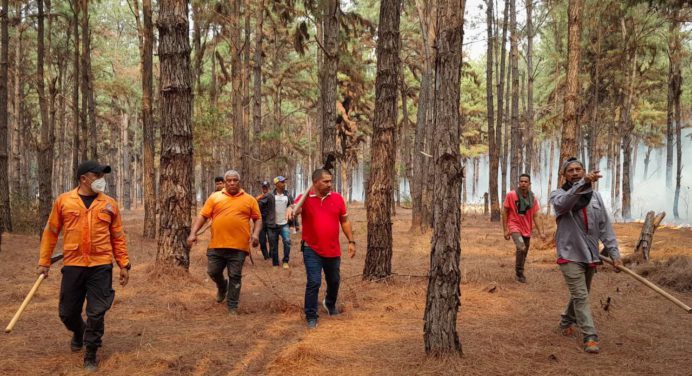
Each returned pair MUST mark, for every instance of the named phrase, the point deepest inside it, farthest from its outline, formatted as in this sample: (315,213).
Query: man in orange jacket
(92,237)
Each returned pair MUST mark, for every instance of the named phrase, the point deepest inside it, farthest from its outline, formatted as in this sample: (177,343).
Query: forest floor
(167,323)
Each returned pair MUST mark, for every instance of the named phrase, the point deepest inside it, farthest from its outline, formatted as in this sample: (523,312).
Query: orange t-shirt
(230,215)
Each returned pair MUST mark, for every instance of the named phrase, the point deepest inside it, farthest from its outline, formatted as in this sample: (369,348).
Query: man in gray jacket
(582,221)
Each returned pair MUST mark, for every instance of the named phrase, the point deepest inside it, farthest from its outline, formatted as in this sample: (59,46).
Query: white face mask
(98,185)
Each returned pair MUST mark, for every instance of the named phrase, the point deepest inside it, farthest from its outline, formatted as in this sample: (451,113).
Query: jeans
(578,276)
(95,284)
(263,238)
(274,233)
(231,259)
(314,264)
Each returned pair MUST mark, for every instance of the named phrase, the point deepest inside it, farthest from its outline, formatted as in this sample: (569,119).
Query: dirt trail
(170,324)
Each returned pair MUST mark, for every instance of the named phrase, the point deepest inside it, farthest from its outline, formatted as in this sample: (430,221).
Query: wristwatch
(352,242)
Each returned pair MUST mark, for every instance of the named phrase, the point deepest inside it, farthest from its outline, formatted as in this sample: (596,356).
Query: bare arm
(192,239)
(538,226)
(346,228)
(505,215)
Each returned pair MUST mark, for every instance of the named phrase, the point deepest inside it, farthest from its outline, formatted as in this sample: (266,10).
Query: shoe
(332,311)
(221,293)
(568,331)
(286,265)
(233,312)
(90,362)
(591,345)
(312,324)
(520,278)
(77,341)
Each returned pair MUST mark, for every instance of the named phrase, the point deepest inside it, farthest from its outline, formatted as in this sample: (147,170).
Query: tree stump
(645,241)
(485,203)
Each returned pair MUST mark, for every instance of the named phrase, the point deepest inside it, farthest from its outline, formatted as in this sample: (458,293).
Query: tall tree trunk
(529,89)
(506,134)
(378,260)
(258,152)
(5,217)
(443,294)
(596,83)
(86,141)
(47,137)
(176,176)
(16,170)
(569,121)
(493,146)
(330,26)
(78,147)
(675,57)
(501,113)
(145,29)
(237,92)
(125,193)
(515,158)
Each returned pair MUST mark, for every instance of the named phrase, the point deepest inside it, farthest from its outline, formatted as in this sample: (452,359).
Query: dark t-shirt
(87,200)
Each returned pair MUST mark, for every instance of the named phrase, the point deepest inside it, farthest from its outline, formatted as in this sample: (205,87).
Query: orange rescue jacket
(91,236)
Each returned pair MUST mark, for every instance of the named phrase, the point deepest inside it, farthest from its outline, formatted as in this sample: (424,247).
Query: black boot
(221,291)
(77,341)
(90,361)
(521,259)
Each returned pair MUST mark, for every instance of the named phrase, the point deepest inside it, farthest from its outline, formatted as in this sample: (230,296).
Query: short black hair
(218,179)
(317,174)
(525,175)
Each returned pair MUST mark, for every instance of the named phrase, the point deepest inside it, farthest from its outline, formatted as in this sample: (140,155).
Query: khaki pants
(578,276)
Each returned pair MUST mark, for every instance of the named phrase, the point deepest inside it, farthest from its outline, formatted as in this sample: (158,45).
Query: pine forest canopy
(255,79)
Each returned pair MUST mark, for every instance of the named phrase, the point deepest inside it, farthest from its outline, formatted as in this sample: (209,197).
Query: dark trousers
(233,260)
(274,233)
(314,264)
(263,238)
(95,284)
(522,243)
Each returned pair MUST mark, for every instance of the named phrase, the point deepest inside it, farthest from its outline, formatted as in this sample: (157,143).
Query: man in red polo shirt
(521,212)
(322,213)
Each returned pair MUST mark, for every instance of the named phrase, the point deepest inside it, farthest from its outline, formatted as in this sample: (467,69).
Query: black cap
(92,166)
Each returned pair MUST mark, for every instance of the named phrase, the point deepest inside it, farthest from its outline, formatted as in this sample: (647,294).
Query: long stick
(650,285)
(302,199)
(25,303)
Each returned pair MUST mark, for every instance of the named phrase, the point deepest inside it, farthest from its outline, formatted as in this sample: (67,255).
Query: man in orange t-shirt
(521,212)
(230,211)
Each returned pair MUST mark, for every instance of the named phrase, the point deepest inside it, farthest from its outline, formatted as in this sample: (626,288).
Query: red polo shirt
(321,219)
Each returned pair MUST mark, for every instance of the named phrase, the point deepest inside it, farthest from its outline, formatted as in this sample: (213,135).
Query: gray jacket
(574,242)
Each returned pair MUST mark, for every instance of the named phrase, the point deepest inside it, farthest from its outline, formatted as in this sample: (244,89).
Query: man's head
(322,181)
(90,176)
(280,183)
(218,183)
(572,170)
(231,181)
(265,186)
(524,183)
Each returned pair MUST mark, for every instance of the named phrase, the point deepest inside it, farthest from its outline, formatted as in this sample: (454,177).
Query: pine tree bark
(5,217)
(16,135)
(529,156)
(47,136)
(148,165)
(515,159)
(674,94)
(568,144)
(501,113)
(443,294)
(258,147)
(176,176)
(378,260)
(78,147)
(493,147)
(330,42)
